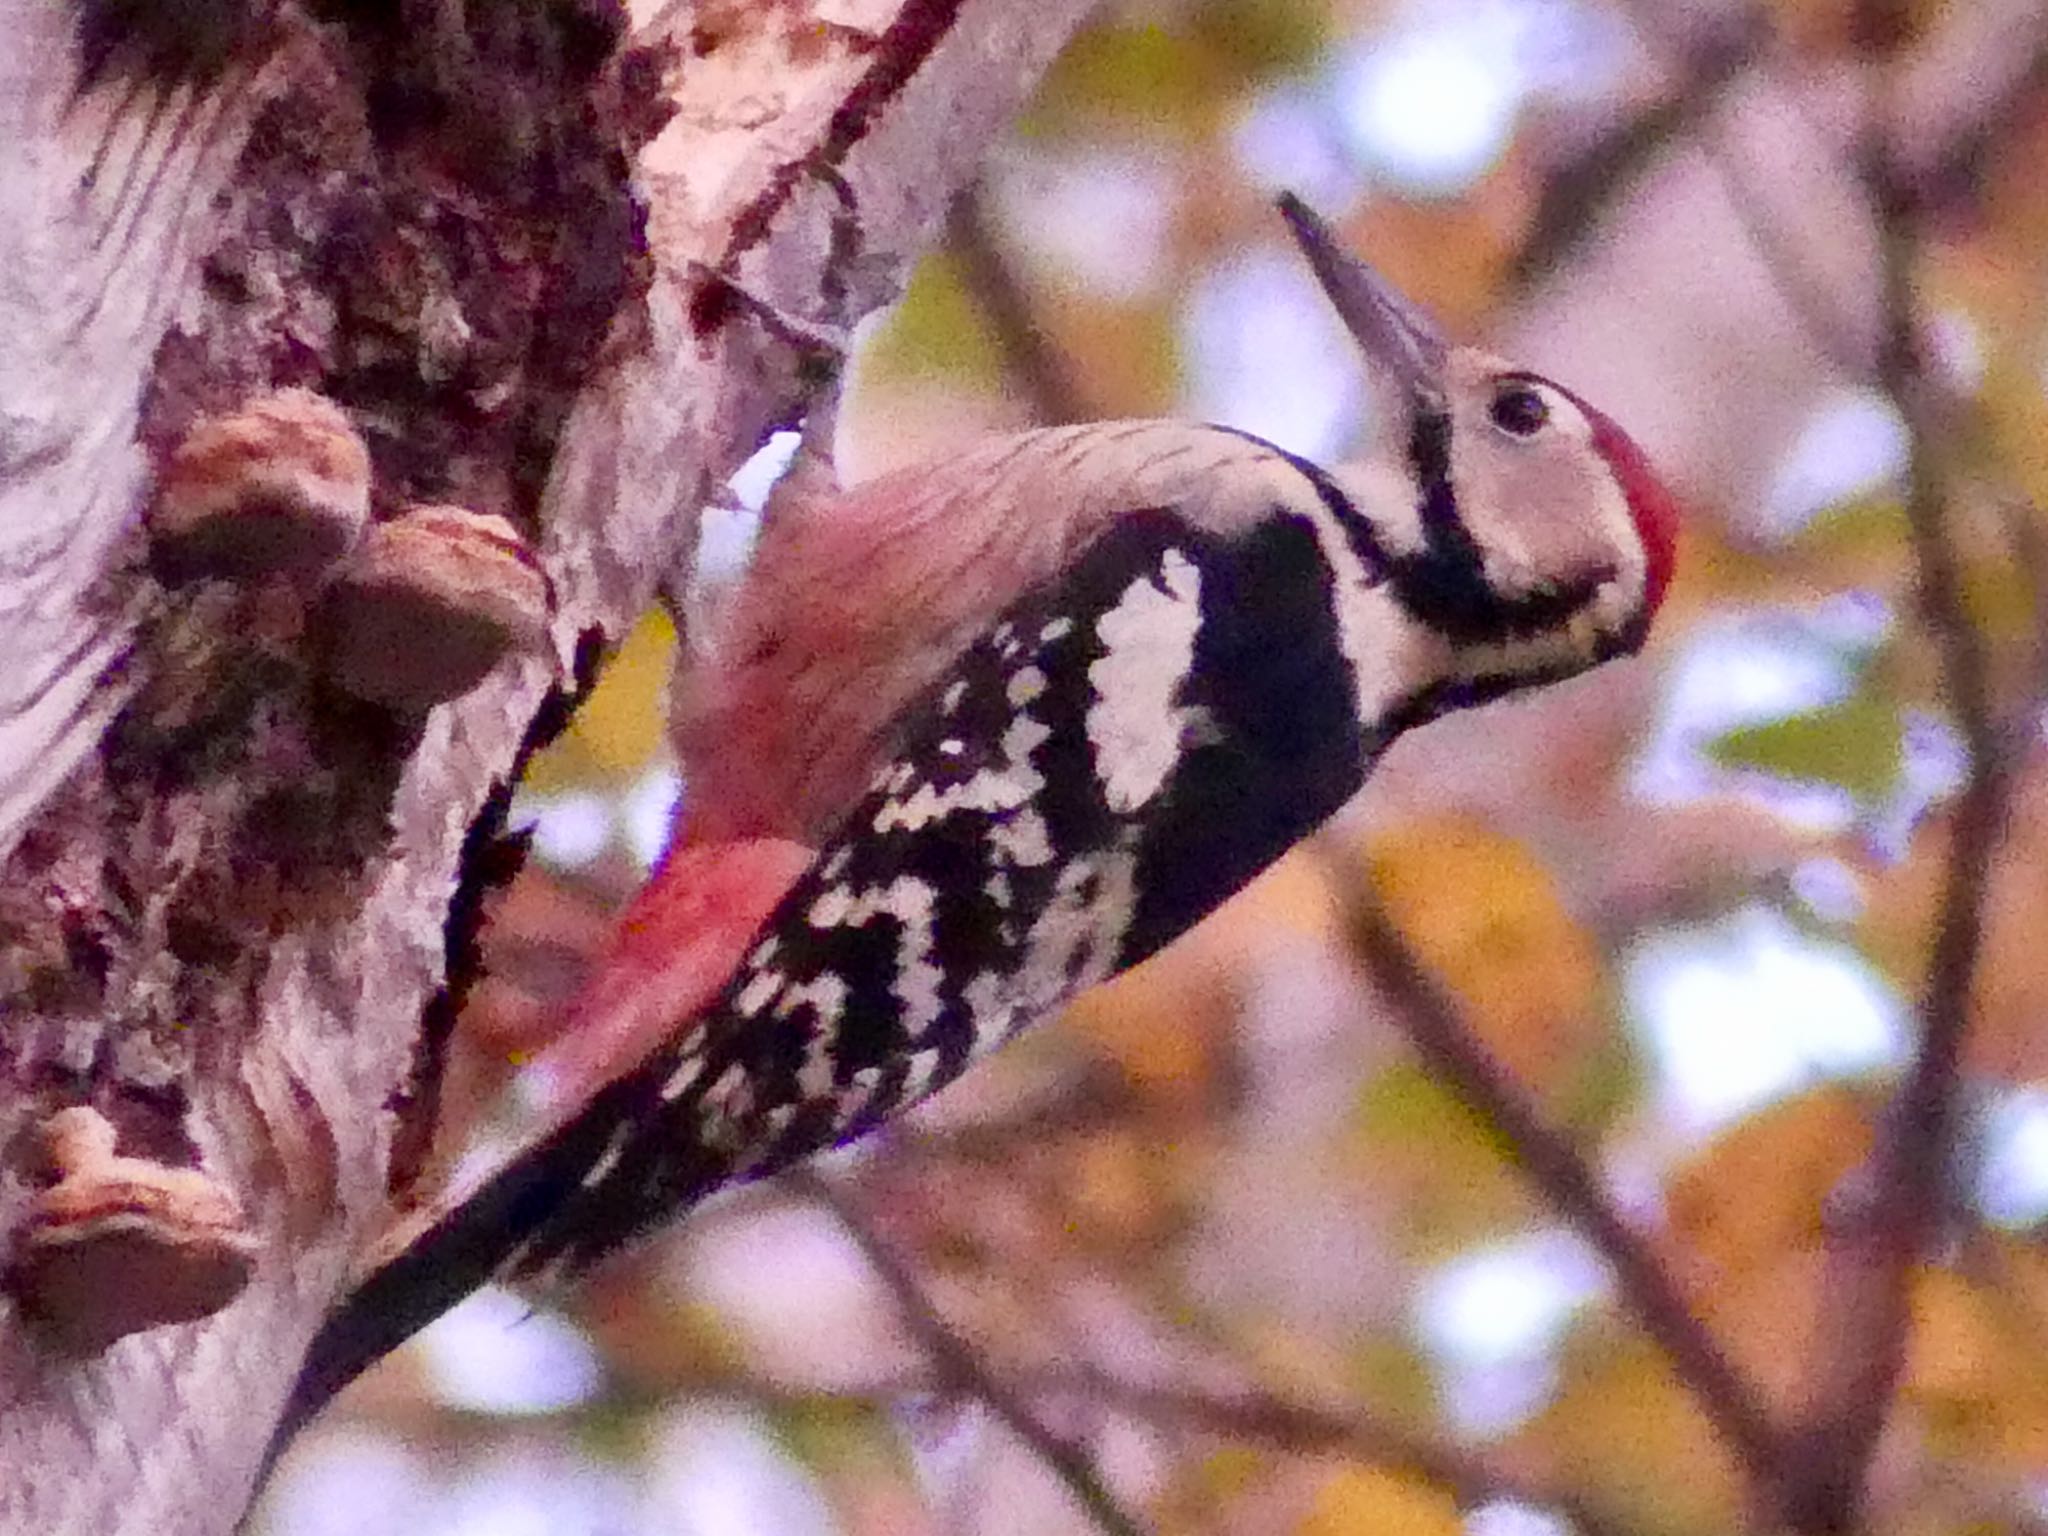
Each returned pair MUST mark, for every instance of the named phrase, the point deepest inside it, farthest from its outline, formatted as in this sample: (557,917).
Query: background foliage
(1584,1134)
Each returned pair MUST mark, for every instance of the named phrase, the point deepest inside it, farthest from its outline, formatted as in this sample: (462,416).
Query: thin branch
(1953,170)
(1862,1346)
(1947,172)
(2020,521)
(1469,1477)
(962,1368)
(1805,295)
(1254,1413)
(1579,194)
(1430,1020)
(1035,366)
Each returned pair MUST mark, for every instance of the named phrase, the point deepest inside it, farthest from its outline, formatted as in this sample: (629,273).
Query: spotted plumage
(1039,711)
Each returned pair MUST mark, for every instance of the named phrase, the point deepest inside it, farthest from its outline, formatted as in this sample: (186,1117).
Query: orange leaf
(1623,1432)
(2006,1040)
(1755,1193)
(1366,1501)
(1486,917)
(1977,1359)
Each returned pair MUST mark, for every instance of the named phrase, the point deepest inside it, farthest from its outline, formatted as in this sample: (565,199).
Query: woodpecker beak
(1394,333)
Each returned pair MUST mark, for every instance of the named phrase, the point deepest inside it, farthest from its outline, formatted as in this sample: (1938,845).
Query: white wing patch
(758,993)
(1022,839)
(826,996)
(1005,787)
(1148,639)
(1073,943)
(1070,946)
(608,1159)
(912,903)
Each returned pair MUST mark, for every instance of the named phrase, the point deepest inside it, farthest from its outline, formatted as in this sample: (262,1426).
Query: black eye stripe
(1519,410)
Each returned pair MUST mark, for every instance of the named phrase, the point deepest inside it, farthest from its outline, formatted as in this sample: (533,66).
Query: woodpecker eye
(1520,411)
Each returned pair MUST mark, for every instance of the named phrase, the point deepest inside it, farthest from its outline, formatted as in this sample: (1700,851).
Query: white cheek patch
(1134,726)
(1511,567)
(1505,562)
(1625,592)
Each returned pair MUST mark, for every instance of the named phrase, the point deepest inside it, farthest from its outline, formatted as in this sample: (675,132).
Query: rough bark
(226,887)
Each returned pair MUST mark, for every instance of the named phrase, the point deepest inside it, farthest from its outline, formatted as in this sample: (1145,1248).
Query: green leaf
(1168,79)
(1440,1164)
(935,329)
(1875,520)
(1391,1375)
(620,730)
(1854,744)
(1264,38)
(1116,77)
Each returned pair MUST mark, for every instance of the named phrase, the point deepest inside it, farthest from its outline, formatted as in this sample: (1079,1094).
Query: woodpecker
(980,736)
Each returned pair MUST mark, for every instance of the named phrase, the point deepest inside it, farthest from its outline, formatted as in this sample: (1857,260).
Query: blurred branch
(1579,194)
(1832,333)
(1089,1097)
(1805,295)
(2020,521)
(1035,366)
(1860,1349)
(1468,1476)
(1953,171)
(1430,1020)
(961,1368)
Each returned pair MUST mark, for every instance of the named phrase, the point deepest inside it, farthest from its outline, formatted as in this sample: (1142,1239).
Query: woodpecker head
(1540,538)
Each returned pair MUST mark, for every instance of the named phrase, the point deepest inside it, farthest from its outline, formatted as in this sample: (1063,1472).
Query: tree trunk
(236,891)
